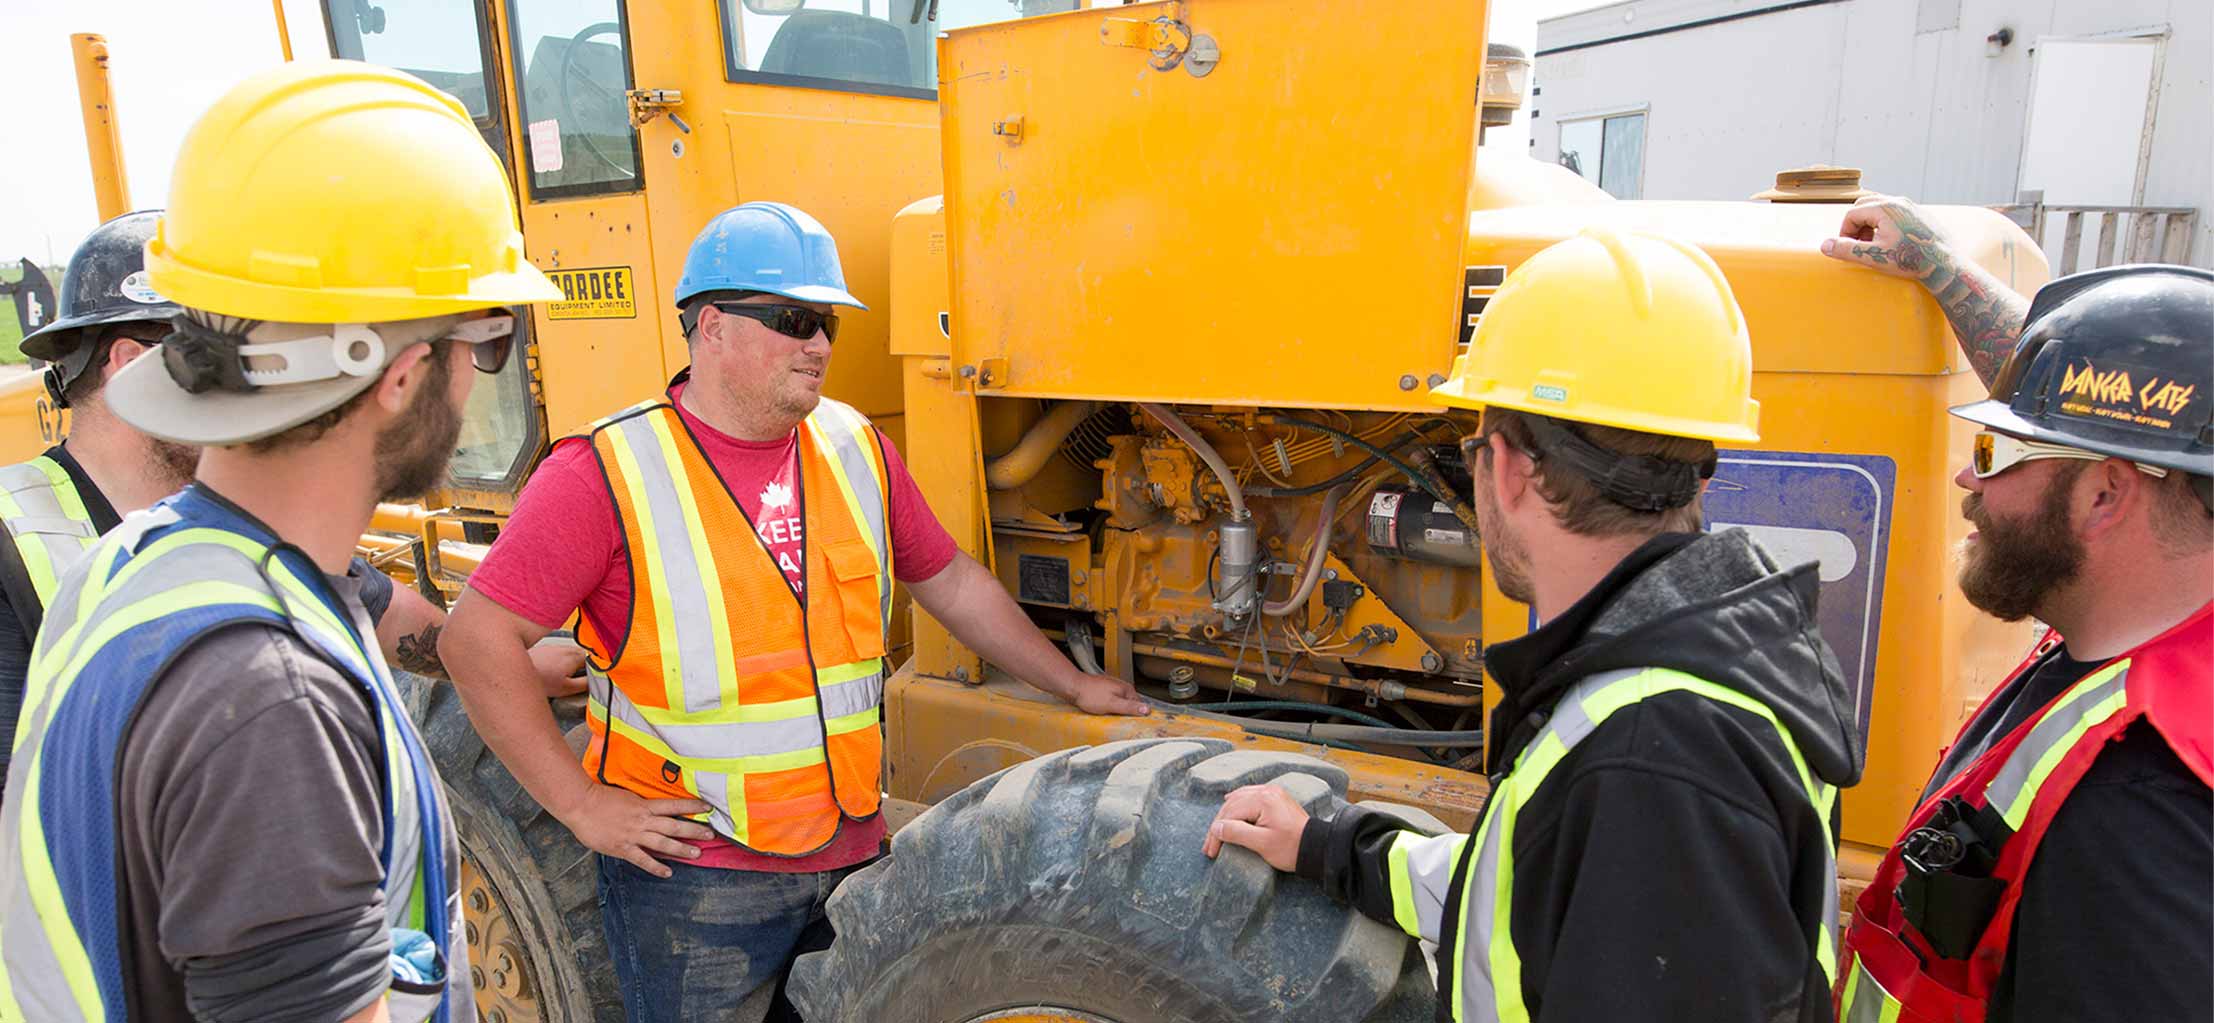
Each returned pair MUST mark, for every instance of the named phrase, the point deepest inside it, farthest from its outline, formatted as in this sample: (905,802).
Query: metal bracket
(647,104)
(1165,39)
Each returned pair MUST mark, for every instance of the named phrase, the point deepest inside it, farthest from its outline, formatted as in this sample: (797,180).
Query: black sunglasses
(793,321)
(490,339)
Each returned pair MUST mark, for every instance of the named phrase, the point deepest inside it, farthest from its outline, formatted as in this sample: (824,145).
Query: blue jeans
(691,948)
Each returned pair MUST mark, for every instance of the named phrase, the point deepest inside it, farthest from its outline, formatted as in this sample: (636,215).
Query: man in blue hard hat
(732,549)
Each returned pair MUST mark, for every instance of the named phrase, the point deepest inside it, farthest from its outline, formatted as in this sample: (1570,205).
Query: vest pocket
(854,567)
(418,977)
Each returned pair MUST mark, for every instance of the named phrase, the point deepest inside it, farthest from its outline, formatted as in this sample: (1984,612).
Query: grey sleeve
(376,589)
(252,780)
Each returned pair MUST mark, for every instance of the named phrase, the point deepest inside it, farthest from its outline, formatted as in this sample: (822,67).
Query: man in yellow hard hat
(1669,744)
(55,506)
(220,808)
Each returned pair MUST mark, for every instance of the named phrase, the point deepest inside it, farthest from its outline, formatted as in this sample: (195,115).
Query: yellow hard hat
(1618,329)
(339,192)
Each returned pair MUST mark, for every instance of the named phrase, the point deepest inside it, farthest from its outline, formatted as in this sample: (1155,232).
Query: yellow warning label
(594,293)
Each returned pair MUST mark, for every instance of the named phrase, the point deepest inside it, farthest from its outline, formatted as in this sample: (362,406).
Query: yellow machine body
(1234,246)
(1242,210)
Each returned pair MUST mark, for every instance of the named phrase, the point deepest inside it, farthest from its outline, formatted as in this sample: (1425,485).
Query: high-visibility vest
(1894,972)
(47,520)
(156,584)
(725,686)
(1486,984)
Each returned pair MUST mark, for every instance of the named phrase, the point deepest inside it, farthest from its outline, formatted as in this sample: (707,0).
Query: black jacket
(1671,867)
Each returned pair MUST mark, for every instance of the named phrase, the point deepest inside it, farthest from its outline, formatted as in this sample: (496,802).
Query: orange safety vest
(726,686)
(1929,937)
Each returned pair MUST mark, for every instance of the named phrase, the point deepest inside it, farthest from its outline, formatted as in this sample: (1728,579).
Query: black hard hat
(105,283)
(2119,361)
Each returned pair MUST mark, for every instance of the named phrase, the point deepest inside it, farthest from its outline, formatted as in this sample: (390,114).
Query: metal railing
(2126,234)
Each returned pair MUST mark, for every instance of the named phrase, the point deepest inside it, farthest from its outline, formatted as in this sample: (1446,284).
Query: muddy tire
(1072,886)
(530,893)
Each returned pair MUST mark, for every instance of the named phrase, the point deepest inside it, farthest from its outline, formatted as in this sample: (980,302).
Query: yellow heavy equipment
(1157,294)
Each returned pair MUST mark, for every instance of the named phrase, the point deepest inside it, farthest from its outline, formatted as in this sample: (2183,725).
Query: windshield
(435,40)
(882,46)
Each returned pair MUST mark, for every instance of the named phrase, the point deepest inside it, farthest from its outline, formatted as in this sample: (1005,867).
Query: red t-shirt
(562,552)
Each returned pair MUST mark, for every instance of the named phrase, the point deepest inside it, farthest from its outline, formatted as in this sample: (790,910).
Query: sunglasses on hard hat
(1996,452)
(793,321)
(490,339)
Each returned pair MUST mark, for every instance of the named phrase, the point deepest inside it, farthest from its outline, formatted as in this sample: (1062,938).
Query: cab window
(885,47)
(572,65)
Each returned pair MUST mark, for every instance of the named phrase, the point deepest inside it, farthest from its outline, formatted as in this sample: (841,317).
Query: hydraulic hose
(1207,454)
(1333,734)
(1022,464)
(1413,475)
(1319,553)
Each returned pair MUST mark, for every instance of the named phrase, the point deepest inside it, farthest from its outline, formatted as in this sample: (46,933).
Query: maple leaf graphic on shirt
(775,495)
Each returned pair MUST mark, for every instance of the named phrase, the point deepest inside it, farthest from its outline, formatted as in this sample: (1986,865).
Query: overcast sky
(171,58)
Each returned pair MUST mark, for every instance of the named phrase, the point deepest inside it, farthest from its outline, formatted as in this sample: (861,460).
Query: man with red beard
(2060,865)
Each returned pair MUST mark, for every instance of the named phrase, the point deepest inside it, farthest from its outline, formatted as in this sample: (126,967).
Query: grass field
(10,333)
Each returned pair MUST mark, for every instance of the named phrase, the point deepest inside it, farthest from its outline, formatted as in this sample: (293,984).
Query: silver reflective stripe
(66,645)
(34,970)
(1865,997)
(714,789)
(852,697)
(1429,863)
(724,741)
(686,614)
(845,430)
(43,519)
(2057,727)
(1570,724)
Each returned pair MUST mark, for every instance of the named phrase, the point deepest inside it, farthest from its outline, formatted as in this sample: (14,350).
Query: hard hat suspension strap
(1637,482)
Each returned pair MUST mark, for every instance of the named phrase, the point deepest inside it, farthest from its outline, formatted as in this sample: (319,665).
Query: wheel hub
(499,966)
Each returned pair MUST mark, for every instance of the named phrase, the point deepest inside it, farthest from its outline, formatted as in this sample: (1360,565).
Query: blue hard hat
(767,247)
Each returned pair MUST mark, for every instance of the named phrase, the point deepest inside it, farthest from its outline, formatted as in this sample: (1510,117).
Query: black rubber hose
(1347,476)
(1413,476)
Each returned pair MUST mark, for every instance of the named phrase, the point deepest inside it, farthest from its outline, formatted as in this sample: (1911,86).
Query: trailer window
(1608,151)
(886,47)
(572,59)
(437,41)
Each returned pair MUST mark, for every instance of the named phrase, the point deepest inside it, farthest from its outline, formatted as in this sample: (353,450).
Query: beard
(172,463)
(1504,551)
(2013,566)
(413,450)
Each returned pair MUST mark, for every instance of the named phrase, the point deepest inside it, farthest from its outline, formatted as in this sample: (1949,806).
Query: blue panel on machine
(1831,509)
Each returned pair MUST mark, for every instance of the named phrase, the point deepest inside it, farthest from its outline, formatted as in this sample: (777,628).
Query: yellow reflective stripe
(97,585)
(722,765)
(65,489)
(603,423)
(853,722)
(2018,811)
(36,563)
(731,713)
(46,899)
(37,865)
(711,582)
(1402,886)
(672,670)
(847,672)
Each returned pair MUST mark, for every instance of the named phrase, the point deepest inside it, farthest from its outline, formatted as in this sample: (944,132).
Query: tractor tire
(1072,887)
(530,892)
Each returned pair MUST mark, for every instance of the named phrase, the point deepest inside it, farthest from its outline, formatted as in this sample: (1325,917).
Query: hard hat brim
(145,396)
(195,288)
(819,293)
(57,339)
(1454,394)
(1998,415)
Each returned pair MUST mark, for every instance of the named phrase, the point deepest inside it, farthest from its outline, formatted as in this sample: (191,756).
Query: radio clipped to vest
(1948,893)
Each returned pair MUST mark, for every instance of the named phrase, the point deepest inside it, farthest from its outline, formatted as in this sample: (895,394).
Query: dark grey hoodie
(1671,867)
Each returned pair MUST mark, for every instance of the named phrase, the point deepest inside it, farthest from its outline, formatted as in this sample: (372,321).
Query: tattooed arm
(409,633)
(1889,234)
